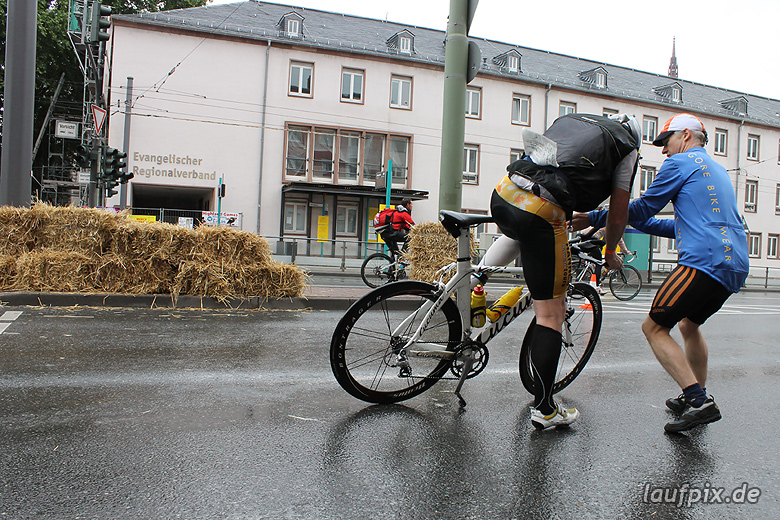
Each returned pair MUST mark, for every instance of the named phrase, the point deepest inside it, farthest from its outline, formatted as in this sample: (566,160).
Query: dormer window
(737,105)
(596,77)
(402,42)
(671,93)
(293,28)
(509,61)
(405,44)
(291,25)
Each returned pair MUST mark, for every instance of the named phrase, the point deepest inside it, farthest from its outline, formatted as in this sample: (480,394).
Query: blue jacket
(707,226)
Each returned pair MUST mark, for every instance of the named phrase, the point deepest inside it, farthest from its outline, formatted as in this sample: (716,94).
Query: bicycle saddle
(453,222)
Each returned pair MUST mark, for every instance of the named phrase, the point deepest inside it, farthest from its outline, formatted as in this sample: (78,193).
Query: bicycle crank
(470,359)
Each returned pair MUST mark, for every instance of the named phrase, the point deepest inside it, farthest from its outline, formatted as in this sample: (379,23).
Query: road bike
(401,338)
(624,283)
(378,269)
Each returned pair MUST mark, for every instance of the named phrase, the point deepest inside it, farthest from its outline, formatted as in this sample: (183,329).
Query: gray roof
(258,20)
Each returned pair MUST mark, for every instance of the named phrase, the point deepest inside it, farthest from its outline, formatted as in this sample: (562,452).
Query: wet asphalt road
(117,413)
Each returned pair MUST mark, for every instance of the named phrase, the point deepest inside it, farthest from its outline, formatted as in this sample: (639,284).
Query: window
(646,178)
(401,92)
(752,147)
(297,151)
(671,245)
(346,220)
(771,246)
(649,129)
(301,79)
(295,217)
(777,199)
(399,153)
(721,141)
(324,153)
(405,44)
(676,95)
(601,80)
(352,86)
(609,112)
(567,108)
(374,161)
(515,155)
(316,154)
(473,96)
(754,245)
(513,62)
(521,109)
(349,157)
(751,188)
(470,161)
(293,28)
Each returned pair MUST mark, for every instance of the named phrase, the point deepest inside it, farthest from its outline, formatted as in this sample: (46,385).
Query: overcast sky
(727,44)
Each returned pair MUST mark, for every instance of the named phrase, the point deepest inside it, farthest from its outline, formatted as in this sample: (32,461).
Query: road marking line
(4,325)
(10,315)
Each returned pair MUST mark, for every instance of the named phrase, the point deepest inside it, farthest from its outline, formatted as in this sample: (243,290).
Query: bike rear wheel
(366,352)
(377,269)
(626,283)
(583,319)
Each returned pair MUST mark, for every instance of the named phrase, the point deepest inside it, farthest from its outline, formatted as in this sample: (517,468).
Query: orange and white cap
(679,122)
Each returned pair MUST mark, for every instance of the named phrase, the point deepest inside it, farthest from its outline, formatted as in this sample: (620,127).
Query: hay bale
(47,270)
(68,249)
(431,247)
(7,272)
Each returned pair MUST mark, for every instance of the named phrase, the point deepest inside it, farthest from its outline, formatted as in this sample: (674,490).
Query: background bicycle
(624,283)
(401,338)
(380,268)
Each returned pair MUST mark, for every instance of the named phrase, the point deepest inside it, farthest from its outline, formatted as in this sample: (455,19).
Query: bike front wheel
(626,283)
(369,354)
(580,332)
(377,269)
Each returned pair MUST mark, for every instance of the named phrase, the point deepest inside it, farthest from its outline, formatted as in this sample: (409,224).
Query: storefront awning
(355,190)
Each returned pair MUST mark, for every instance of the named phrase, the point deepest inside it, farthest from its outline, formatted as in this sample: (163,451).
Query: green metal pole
(454,119)
(389,180)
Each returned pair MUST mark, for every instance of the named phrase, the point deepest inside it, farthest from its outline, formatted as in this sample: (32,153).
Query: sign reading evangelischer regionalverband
(170,166)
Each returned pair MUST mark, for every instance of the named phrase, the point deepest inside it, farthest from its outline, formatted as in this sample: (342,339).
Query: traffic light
(110,170)
(100,21)
(120,164)
(83,156)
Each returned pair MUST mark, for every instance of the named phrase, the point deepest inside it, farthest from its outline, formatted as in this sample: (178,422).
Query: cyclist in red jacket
(402,222)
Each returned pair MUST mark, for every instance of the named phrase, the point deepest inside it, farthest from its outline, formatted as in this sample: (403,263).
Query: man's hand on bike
(579,221)
(613,260)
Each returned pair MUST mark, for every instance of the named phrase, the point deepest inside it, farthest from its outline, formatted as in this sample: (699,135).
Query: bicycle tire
(626,283)
(376,270)
(584,318)
(363,350)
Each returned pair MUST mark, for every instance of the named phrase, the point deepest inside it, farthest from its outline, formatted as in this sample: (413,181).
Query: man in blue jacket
(712,260)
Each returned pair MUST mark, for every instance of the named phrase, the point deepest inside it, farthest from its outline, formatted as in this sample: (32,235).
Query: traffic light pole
(19,96)
(454,119)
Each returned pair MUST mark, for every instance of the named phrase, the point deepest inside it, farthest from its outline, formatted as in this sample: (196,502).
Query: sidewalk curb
(164,301)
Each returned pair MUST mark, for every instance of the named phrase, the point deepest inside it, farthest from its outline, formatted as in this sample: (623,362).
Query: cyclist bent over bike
(398,231)
(579,161)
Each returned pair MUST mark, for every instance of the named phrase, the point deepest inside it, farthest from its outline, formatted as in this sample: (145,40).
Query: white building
(298,110)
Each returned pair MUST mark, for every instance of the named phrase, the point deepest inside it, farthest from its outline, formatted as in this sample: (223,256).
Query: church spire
(673,61)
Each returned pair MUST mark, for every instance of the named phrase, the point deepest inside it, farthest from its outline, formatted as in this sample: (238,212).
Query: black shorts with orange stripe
(687,293)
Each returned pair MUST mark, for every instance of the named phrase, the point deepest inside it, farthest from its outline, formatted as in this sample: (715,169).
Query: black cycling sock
(695,395)
(545,351)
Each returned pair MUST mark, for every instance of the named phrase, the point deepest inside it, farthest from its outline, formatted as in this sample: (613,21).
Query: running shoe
(706,413)
(677,404)
(560,417)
